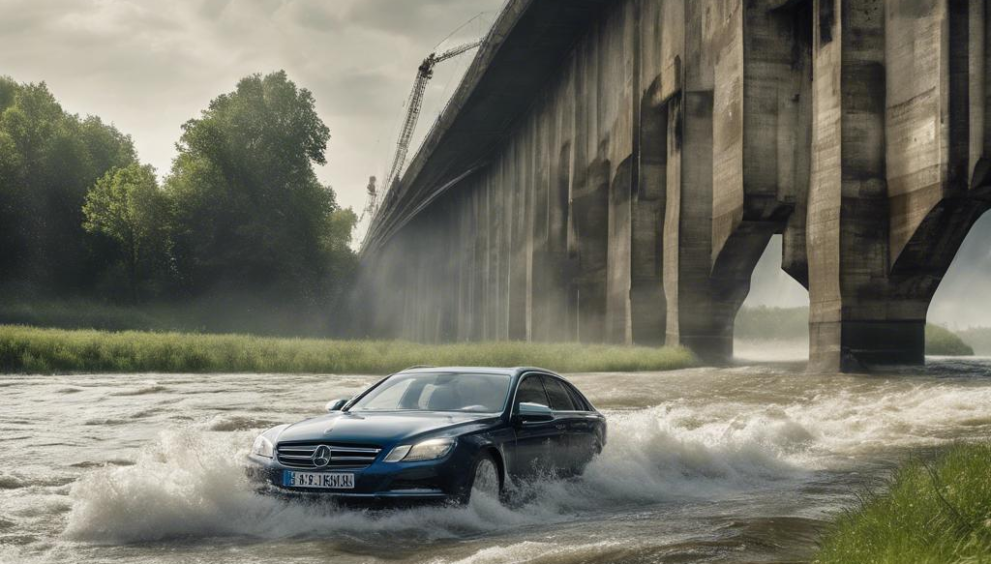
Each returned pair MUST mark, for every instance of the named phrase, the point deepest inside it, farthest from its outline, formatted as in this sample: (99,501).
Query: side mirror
(337,404)
(534,413)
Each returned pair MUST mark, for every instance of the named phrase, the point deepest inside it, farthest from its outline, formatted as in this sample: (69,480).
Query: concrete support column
(650,126)
(722,207)
(648,306)
(899,105)
(851,319)
(693,319)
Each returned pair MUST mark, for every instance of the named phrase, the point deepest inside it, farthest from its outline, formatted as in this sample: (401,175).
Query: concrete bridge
(611,171)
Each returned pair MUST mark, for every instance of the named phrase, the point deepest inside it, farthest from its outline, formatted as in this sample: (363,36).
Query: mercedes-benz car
(439,434)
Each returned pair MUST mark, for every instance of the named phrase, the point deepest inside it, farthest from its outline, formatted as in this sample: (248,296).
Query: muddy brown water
(742,464)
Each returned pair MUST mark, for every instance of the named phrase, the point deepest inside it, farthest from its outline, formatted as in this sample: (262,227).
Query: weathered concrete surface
(611,171)
(897,175)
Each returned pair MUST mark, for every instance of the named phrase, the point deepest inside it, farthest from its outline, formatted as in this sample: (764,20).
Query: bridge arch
(773,321)
(960,301)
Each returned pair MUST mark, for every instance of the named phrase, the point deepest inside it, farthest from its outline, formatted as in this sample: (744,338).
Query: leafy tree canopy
(241,218)
(250,213)
(127,207)
(48,161)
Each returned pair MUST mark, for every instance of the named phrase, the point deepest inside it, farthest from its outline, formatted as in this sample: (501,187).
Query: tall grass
(34,350)
(935,512)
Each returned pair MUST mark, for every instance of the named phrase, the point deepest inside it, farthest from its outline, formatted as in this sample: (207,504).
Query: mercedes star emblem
(321,456)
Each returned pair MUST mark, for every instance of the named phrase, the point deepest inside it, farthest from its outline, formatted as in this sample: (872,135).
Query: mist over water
(770,350)
(743,464)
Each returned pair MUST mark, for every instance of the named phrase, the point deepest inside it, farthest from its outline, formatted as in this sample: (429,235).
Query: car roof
(508,371)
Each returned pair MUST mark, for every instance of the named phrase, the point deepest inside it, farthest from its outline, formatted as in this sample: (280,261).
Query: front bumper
(430,481)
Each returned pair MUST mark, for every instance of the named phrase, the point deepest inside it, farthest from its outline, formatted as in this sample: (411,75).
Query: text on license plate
(327,480)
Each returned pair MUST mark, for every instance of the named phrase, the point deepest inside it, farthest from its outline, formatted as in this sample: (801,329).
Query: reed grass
(42,351)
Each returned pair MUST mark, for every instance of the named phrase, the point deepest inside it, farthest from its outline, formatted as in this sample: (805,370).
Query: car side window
(531,391)
(559,397)
(577,399)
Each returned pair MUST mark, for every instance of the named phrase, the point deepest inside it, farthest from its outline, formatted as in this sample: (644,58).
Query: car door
(534,439)
(569,420)
(587,430)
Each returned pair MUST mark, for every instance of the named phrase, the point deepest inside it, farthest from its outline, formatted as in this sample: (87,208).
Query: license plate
(322,480)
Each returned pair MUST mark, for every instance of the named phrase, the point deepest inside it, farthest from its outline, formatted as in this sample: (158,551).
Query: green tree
(336,245)
(251,216)
(48,161)
(127,206)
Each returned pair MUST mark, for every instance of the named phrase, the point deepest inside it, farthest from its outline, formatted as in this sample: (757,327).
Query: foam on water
(152,388)
(546,553)
(227,422)
(854,422)
(192,485)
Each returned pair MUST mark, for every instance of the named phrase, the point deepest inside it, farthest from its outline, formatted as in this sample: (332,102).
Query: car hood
(381,428)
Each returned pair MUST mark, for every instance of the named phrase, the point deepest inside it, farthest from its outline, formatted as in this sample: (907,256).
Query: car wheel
(596,451)
(485,479)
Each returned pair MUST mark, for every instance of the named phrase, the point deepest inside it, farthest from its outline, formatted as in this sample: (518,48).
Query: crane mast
(424,73)
(372,200)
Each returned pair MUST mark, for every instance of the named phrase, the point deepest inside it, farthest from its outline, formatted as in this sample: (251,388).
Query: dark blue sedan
(438,434)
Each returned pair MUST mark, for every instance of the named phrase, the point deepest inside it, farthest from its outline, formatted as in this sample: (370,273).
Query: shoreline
(929,511)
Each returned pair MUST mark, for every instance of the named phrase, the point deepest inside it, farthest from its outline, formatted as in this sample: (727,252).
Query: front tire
(485,480)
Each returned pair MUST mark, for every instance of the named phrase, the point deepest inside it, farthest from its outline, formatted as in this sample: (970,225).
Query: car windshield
(476,393)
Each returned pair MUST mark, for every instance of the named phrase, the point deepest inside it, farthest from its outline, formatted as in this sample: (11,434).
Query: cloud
(431,18)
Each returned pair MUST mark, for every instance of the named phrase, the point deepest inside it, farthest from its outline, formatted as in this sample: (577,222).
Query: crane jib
(415,103)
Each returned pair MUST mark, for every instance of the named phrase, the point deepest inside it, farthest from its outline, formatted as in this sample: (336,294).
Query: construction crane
(415,103)
(372,200)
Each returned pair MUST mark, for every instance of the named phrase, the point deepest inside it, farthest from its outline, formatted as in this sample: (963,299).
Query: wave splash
(191,483)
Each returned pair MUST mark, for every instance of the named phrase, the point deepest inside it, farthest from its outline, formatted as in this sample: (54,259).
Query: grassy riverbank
(935,512)
(33,350)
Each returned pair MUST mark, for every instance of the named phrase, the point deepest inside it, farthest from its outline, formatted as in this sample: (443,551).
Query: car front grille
(343,456)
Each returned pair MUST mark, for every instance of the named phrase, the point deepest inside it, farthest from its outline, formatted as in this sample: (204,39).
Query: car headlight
(263,447)
(427,450)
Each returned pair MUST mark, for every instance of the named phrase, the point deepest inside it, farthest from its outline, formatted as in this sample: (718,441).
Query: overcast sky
(149,66)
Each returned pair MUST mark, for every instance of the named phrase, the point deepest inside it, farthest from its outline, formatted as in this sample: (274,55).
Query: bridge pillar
(734,163)
(847,219)
(896,171)
(693,318)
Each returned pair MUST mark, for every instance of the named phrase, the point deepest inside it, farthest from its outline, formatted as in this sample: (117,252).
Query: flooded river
(742,464)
